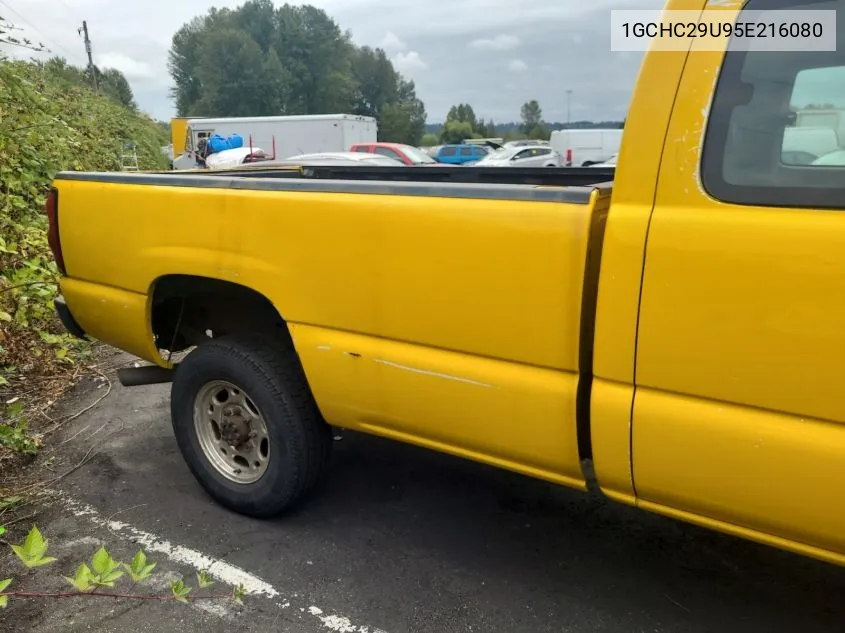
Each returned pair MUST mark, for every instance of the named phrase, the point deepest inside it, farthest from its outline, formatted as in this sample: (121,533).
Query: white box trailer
(288,135)
(581,148)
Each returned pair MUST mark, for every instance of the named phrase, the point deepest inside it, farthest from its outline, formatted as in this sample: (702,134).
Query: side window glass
(776,130)
(466,151)
(384,151)
(814,133)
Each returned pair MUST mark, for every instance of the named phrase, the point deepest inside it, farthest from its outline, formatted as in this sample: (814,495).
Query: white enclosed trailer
(288,135)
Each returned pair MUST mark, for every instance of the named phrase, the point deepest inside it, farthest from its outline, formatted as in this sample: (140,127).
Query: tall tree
(377,82)
(261,60)
(403,120)
(463,112)
(455,131)
(231,74)
(183,63)
(258,19)
(532,116)
(113,84)
(320,61)
(277,85)
(111,81)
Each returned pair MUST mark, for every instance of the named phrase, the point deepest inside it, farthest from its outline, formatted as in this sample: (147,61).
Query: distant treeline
(504,129)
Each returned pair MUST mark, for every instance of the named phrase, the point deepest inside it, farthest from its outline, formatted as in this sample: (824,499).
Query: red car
(407,154)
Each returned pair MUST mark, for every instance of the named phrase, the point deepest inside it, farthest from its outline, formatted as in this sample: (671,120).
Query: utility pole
(568,108)
(84,31)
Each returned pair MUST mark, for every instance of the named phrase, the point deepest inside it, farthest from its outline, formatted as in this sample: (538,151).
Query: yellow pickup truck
(674,338)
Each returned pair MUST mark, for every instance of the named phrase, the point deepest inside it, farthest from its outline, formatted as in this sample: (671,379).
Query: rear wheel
(247,425)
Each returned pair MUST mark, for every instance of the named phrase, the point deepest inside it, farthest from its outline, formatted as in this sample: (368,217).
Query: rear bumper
(67,318)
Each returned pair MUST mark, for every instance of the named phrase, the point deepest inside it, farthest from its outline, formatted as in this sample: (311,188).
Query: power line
(33,27)
(70,8)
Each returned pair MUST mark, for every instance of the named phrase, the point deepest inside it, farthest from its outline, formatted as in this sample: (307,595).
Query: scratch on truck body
(432,373)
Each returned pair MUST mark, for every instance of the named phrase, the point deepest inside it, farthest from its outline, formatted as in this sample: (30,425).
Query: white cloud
(410,61)
(131,68)
(577,38)
(141,31)
(498,43)
(517,66)
(391,42)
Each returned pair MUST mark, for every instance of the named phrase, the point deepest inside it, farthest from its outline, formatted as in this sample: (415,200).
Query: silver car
(346,158)
(536,156)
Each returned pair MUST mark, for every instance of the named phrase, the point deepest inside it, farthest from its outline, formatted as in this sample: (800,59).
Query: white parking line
(216,568)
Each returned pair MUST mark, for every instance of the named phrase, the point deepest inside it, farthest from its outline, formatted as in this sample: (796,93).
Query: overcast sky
(493,54)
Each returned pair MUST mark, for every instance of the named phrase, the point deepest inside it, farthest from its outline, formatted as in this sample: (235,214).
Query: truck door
(739,413)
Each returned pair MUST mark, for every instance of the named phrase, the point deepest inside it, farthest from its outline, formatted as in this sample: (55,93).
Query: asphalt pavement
(402,540)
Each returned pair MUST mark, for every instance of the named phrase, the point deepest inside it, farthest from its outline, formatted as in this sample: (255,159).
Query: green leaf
(9,502)
(180,590)
(4,584)
(108,579)
(44,560)
(4,602)
(2,530)
(139,561)
(203,579)
(102,562)
(139,570)
(82,580)
(238,594)
(31,553)
(5,316)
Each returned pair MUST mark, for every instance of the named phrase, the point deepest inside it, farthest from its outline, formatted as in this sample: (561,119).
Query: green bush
(49,123)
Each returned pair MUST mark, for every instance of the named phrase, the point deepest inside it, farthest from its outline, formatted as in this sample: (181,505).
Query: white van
(582,148)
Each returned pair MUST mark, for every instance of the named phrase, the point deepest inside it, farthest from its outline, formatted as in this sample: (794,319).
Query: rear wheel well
(187,310)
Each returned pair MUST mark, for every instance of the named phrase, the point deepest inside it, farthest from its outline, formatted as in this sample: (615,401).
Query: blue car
(460,154)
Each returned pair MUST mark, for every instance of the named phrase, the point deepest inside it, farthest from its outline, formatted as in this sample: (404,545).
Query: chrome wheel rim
(231,432)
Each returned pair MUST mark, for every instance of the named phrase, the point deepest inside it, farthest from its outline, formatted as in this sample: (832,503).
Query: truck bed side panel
(452,320)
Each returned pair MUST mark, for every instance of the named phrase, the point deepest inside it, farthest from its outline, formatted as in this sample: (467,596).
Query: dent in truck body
(480,286)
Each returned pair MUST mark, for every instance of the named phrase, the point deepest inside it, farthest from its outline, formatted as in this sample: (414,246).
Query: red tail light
(568,157)
(51,208)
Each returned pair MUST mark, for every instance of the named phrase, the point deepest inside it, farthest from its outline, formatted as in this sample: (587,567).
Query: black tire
(300,441)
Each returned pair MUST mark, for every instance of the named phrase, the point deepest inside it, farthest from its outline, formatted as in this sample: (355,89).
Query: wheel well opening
(187,310)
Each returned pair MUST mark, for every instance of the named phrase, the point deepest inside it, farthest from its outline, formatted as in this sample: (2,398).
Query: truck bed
(542,176)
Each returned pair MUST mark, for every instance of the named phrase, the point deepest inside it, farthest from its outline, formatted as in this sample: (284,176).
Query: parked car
(407,154)
(461,154)
(431,151)
(526,143)
(536,156)
(610,162)
(347,157)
